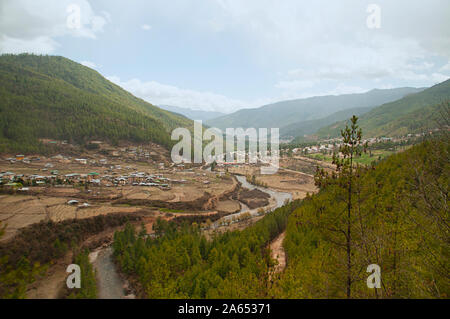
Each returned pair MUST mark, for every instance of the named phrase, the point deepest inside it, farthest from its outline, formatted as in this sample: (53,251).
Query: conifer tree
(343,179)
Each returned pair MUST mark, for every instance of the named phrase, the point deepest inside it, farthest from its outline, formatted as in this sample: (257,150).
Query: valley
(132,180)
(87,177)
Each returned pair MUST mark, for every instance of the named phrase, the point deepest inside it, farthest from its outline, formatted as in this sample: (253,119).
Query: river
(279,197)
(110,284)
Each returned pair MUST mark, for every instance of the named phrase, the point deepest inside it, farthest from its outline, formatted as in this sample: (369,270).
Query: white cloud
(311,48)
(38,45)
(297,90)
(345,89)
(330,41)
(445,68)
(439,77)
(163,94)
(295,84)
(34,26)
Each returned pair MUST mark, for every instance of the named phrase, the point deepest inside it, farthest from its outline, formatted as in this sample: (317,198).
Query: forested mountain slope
(399,221)
(54,97)
(414,113)
(181,263)
(284,113)
(310,127)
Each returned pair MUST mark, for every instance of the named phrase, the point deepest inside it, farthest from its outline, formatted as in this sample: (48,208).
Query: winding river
(110,284)
(279,197)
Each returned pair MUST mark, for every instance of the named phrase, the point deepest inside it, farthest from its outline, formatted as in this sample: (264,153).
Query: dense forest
(181,263)
(54,97)
(393,214)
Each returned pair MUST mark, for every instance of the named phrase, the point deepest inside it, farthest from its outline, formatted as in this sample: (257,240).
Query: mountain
(192,114)
(54,97)
(400,204)
(310,127)
(412,114)
(285,113)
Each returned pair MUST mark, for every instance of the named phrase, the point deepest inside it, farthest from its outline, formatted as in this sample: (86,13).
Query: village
(329,146)
(48,175)
(109,179)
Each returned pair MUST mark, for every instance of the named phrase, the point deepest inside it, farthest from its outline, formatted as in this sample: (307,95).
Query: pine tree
(344,180)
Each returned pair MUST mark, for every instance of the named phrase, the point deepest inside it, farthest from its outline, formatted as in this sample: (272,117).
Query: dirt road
(278,253)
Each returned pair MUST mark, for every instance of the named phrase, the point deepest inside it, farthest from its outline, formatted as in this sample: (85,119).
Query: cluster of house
(93,178)
(8,178)
(141,179)
(329,146)
(315,149)
(22,158)
(134,153)
(57,158)
(236,158)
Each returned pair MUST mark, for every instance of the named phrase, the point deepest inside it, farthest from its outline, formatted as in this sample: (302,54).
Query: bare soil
(254,198)
(277,252)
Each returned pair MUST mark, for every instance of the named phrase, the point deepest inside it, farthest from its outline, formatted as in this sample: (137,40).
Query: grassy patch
(366,158)
(168,210)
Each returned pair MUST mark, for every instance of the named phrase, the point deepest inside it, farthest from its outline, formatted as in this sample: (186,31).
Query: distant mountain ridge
(54,97)
(286,113)
(310,127)
(413,113)
(192,114)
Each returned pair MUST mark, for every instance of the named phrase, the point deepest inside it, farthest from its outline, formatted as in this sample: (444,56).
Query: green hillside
(412,114)
(285,113)
(398,221)
(310,127)
(54,97)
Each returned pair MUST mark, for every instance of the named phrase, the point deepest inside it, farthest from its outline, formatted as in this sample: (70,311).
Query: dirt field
(211,188)
(285,180)
(254,198)
(193,192)
(297,184)
(308,163)
(228,206)
(50,203)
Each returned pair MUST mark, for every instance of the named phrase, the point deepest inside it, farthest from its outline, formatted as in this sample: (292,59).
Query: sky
(224,55)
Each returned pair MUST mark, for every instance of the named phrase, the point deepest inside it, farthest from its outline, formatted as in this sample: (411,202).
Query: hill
(54,97)
(398,221)
(192,114)
(414,113)
(285,113)
(310,127)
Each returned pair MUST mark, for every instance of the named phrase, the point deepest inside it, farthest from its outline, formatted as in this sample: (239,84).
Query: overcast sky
(224,55)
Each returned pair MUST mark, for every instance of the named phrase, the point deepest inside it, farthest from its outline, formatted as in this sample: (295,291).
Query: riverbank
(110,285)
